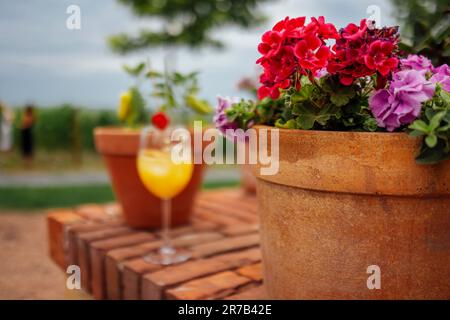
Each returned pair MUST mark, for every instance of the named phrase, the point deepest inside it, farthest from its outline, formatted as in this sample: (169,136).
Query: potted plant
(351,213)
(119,146)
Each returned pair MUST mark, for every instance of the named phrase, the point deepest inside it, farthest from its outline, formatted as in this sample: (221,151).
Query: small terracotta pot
(344,201)
(141,209)
(248,180)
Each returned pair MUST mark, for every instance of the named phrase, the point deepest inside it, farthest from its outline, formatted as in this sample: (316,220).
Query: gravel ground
(26,271)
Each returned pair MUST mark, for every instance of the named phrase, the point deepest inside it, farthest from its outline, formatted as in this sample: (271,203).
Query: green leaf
(429,113)
(445,96)
(152,74)
(339,99)
(431,140)
(436,120)
(308,115)
(136,113)
(370,124)
(134,71)
(434,155)
(290,124)
(304,80)
(419,125)
(416,133)
(199,106)
(303,94)
(447,117)
(306,121)
(443,128)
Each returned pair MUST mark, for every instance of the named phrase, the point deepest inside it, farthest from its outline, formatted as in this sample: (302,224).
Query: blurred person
(6,127)
(26,133)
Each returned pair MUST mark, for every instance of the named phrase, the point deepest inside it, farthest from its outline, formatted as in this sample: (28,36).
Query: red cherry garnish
(160,120)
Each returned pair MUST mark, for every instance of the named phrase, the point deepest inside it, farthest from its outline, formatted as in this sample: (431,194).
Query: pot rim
(330,132)
(355,162)
(112,130)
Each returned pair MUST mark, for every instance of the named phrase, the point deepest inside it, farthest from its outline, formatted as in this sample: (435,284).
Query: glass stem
(166,221)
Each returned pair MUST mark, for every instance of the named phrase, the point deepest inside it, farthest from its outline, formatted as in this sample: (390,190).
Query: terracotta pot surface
(141,209)
(248,180)
(343,201)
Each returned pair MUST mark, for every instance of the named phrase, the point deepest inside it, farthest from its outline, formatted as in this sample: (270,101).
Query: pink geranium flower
(442,76)
(417,62)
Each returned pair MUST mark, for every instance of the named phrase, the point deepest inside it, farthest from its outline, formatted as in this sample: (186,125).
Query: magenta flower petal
(401,103)
(220,118)
(417,62)
(442,76)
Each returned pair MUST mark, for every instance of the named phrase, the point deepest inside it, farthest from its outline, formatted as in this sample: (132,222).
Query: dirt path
(26,272)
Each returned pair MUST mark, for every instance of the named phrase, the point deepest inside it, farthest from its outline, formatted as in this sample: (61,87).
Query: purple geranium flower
(401,103)
(220,118)
(442,75)
(418,63)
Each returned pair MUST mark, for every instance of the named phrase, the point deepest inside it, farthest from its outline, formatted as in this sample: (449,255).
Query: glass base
(167,256)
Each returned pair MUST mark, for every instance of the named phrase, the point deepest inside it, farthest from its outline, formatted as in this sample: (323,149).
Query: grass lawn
(58,197)
(52,161)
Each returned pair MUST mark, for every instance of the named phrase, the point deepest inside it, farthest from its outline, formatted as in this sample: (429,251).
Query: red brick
(195,226)
(58,222)
(98,250)
(113,210)
(241,229)
(75,230)
(253,271)
(114,258)
(254,293)
(132,275)
(224,245)
(93,212)
(206,287)
(154,284)
(210,215)
(84,259)
(225,196)
(233,209)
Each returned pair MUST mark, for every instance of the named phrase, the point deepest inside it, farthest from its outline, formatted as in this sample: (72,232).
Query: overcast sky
(41,61)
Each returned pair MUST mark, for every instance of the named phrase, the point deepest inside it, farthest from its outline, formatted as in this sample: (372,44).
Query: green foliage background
(188,23)
(425,28)
(65,127)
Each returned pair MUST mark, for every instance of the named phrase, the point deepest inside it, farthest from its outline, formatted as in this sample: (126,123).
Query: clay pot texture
(344,201)
(141,209)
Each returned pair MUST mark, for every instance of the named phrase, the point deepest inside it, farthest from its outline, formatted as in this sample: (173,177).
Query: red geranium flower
(293,48)
(311,54)
(352,32)
(378,57)
(271,43)
(363,51)
(325,30)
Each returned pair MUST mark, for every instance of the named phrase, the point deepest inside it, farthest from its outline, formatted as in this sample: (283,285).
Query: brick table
(222,236)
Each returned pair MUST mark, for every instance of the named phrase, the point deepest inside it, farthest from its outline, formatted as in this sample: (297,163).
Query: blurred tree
(186,22)
(425,27)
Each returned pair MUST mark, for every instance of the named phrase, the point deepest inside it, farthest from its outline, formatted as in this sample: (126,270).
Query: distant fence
(65,127)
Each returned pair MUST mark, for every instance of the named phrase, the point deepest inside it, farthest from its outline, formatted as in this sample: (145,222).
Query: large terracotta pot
(119,147)
(344,201)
